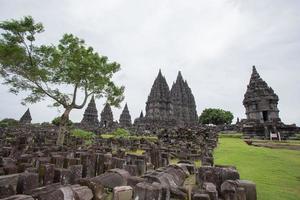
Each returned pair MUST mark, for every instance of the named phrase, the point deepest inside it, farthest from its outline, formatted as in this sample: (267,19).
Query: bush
(231,135)
(56,122)
(215,116)
(8,123)
(79,133)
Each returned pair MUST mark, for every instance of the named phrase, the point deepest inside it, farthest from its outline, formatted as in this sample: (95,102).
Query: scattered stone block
(8,185)
(19,197)
(122,193)
(27,181)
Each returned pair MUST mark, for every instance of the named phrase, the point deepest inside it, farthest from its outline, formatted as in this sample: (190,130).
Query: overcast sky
(214,43)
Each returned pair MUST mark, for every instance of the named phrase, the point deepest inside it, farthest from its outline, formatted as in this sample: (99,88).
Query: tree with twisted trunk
(52,71)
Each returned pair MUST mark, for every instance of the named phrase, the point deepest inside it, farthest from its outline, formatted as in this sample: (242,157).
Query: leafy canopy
(49,70)
(215,116)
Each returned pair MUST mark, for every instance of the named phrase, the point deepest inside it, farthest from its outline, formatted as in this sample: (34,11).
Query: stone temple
(26,118)
(260,102)
(107,119)
(90,116)
(166,107)
(125,118)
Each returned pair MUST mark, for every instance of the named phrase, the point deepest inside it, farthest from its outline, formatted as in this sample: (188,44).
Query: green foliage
(230,135)
(123,133)
(274,171)
(87,136)
(56,122)
(8,123)
(42,69)
(46,70)
(215,116)
(120,132)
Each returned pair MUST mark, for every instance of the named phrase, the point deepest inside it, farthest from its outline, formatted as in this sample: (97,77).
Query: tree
(51,71)
(56,122)
(215,116)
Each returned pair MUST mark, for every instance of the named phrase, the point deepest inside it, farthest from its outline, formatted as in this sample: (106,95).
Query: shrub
(79,133)
(56,122)
(8,123)
(232,135)
(215,116)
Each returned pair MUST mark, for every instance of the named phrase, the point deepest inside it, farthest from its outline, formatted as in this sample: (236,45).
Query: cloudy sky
(213,42)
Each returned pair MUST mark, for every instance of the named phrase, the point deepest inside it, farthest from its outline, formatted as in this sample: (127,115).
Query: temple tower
(183,102)
(260,101)
(26,118)
(107,118)
(125,118)
(90,116)
(159,106)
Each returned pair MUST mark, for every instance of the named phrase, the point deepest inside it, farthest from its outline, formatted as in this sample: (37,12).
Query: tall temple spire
(125,118)
(183,101)
(26,118)
(90,116)
(142,114)
(159,98)
(107,118)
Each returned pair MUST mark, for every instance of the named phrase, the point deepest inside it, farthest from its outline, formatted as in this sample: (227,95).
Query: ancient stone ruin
(90,116)
(125,118)
(166,107)
(33,167)
(107,119)
(26,117)
(262,113)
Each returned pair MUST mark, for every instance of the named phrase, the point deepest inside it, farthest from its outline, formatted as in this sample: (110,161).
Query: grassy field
(276,172)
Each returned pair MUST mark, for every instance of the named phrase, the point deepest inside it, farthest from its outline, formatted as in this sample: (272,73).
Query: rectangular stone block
(46,174)
(8,185)
(76,173)
(27,182)
(62,176)
(122,193)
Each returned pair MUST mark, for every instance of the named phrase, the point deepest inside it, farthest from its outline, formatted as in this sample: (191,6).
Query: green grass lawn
(276,172)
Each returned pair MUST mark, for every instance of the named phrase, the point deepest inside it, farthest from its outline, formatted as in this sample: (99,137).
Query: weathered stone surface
(216,175)
(76,173)
(27,182)
(107,118)
(199,196)
(82,192)
(62,176)
(46,174)
(260,100)
(90,116)
(26,118)
(145,191)
(211,189)
(125,118)
(19,197)
(96,187)
(183,102)
(8,185)
(122,193)
(250,189)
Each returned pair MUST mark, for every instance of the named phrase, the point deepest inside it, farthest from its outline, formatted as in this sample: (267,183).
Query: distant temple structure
(26,118)
(90,116)
(183,102)
(125,118)
(260,102)
(166,107)
(107,119)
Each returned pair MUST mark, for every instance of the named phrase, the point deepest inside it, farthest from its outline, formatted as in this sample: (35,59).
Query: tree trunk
(63,127)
